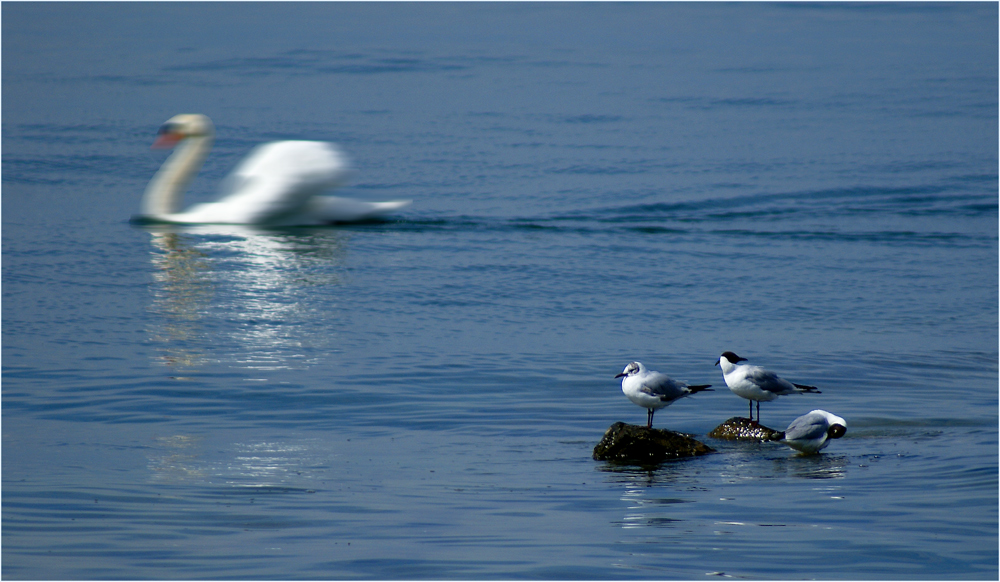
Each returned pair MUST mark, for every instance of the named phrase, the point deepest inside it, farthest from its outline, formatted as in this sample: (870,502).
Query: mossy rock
(743,429)
(630,443)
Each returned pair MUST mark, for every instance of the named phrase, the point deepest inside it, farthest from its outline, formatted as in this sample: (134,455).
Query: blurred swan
(277,184)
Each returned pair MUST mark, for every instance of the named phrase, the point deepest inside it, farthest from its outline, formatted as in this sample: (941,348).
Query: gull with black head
(755,383)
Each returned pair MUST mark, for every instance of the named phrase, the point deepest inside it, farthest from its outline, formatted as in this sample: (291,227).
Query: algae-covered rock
(628,442)
(743,429)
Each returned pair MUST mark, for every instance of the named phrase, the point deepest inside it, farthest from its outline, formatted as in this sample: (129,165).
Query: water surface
(811,186)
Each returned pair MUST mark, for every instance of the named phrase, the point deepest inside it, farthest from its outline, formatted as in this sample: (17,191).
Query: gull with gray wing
(653,390)
(811,432)
(755,383)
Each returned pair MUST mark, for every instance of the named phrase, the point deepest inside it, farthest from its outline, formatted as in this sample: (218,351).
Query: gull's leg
(649,418)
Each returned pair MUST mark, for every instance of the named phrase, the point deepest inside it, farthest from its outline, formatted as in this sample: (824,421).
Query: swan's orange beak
(166,140)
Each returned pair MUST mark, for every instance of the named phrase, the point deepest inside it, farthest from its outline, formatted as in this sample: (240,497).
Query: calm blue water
(811,186)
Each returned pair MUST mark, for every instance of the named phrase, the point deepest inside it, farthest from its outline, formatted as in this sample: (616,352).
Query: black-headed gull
(811,432)
(653,390)
(755,383)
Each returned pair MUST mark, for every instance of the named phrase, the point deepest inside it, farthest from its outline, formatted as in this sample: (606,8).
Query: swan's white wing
(277,179)
(330,209)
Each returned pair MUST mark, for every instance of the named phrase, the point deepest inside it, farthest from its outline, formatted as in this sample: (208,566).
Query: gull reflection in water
(746,462)
(649,503)
(238,295)
(653,495)
(822,466)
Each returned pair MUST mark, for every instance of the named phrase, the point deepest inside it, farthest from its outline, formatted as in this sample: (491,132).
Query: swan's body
(277,184)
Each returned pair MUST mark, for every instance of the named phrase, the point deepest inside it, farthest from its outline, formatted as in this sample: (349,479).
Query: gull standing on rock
(653,390)
(811,432)
(755,383)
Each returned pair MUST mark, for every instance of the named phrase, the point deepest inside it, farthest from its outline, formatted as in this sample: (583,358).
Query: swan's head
(181,127)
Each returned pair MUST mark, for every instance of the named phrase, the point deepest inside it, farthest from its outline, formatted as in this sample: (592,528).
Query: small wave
(302,62)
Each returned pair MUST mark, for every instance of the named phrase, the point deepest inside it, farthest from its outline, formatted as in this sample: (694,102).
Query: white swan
(277,184)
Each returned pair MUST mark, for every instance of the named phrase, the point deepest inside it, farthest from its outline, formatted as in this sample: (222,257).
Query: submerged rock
(628,442)
(743,429)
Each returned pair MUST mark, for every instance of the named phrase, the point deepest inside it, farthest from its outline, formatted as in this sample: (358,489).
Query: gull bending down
(811,432)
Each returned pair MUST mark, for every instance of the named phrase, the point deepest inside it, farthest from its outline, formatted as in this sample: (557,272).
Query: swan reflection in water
(238,295)
(251,467)
(182,289)
(243,298)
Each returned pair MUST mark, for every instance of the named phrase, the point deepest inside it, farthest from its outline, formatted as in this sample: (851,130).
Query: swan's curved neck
(166,190)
